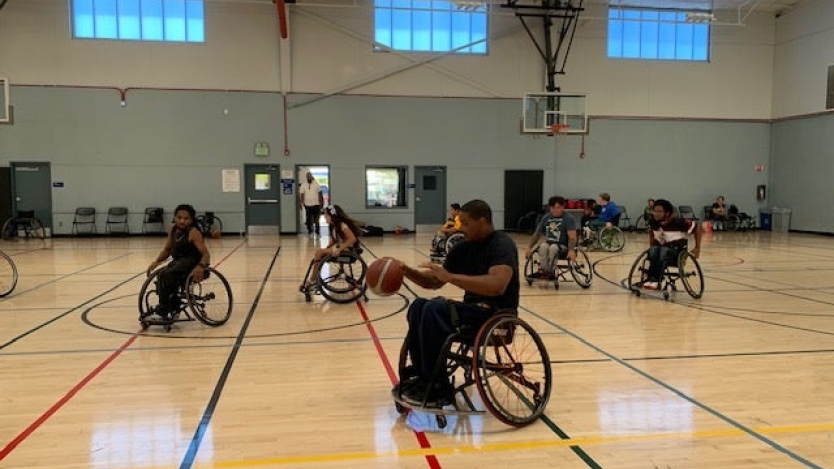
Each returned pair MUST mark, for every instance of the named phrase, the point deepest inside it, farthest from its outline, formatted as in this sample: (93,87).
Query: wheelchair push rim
(691,275)
(210,299)
(639,272)
(342,278)
(581,270)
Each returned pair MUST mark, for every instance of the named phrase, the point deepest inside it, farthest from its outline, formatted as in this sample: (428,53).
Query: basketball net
(559,128)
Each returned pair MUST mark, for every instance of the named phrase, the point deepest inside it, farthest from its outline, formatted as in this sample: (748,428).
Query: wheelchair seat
(25,224)
(683,267)
(581,270)
(341,277)
(209,301)
(504,358)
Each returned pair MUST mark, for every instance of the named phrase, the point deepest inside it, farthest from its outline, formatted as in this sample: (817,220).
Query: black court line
(734,423)
(85,318)
(69,311)
(65,276)
(202,427)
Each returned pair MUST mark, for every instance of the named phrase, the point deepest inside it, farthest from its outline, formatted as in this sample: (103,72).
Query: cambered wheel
(511,370)
(612,239)
(342,277)
(581,269)
(691,275)
(733,223)
(642,223)
(148,296)
(532,267)
(639,272)
(454,240)
(210,299)
(8,274)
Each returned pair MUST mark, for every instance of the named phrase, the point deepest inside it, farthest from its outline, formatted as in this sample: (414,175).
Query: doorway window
(385,186)
(263,181)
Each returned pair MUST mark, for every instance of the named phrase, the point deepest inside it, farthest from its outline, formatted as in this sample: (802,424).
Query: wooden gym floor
(743,378)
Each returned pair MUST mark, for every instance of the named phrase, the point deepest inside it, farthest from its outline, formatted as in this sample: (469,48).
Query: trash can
(781,219)
(765,219)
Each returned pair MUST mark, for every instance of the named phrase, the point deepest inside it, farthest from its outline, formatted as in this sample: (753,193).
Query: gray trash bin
(781,219)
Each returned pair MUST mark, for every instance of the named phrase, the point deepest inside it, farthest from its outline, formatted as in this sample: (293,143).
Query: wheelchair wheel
(733,223)
(454,240)
(639,272)
(611,239)
(148,296)
(642,223)
(8,274)
(211,299)
(511,370)
(342,277)
(690,274)
(581,269)
(9,229)
(532,267)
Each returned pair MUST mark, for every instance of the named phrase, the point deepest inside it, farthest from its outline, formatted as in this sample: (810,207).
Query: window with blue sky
(652,34)
(139,20)
(431,26)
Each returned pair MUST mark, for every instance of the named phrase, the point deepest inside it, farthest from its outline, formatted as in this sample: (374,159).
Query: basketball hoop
(559,128)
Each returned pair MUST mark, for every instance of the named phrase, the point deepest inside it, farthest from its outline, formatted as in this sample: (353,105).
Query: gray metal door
(263,212)
(429,195)
(32,189)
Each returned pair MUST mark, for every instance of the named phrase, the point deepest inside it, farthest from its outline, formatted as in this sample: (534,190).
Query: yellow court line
(511,446)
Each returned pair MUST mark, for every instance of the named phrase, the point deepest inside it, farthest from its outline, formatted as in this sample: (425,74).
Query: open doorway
(321,173)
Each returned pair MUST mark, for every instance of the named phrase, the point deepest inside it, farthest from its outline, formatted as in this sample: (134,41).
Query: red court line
(72,392)
(421,436)
(37,423)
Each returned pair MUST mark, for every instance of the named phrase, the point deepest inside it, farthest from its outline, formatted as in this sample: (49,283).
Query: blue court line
(200,432)
(683,396)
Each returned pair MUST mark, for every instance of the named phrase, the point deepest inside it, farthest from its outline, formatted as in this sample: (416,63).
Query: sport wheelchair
(341,277)
(209,301)
(505,359)
(441,245)
(208,223)
(608,238)
(580,269)
(25,224)
(683,266)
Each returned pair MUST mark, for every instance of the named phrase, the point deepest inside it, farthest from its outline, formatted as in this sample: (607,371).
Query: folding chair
(84,221)
(153,219)
(117,221)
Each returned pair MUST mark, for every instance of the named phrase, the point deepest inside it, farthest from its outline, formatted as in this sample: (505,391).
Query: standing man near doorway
(311,201)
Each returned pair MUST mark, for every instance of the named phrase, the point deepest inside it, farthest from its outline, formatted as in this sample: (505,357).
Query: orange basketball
(215,234)
(384,277)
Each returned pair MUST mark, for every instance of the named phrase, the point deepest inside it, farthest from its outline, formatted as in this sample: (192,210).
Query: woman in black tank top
(189,255)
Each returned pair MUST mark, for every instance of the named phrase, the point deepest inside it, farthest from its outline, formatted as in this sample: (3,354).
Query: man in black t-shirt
(485,266)
(667,238)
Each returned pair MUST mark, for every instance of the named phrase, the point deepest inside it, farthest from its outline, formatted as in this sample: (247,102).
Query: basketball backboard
(541,111)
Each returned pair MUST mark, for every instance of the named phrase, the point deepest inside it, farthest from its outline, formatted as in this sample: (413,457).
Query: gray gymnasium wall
(802,171)
(689,162)
(168,147)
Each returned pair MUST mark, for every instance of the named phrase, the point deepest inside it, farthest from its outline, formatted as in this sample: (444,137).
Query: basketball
(215,234)
(384,277)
